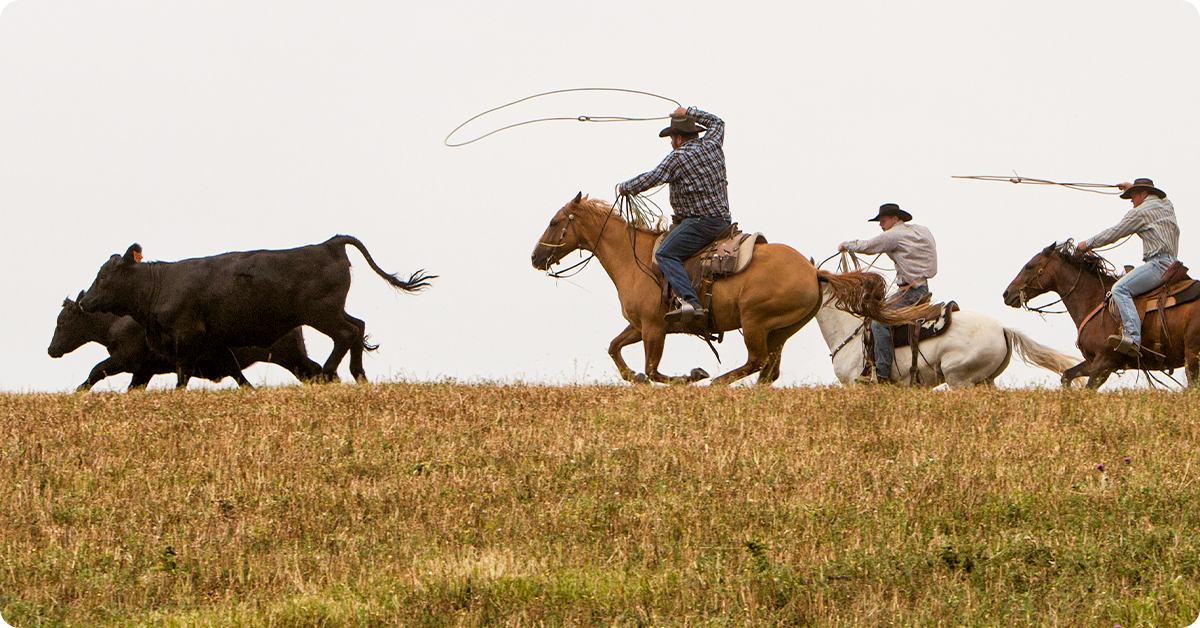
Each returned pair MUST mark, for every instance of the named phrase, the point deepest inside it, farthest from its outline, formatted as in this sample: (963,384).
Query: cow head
(71,330)
(115,288)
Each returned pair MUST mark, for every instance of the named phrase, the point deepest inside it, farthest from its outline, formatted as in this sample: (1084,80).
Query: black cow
(242,299)
(129,352)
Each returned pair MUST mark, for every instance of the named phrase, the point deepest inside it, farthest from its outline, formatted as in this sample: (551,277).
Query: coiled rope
(575,119)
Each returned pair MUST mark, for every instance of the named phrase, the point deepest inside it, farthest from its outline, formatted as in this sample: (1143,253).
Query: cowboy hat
(892,209)
(681,125)
(1143,184)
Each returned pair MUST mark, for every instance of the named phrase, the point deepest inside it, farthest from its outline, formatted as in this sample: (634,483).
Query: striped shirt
(911,248)
(695,171)
(1153,221)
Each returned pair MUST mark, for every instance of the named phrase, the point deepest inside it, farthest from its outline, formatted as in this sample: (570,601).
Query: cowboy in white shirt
(914,254)
(1153,220)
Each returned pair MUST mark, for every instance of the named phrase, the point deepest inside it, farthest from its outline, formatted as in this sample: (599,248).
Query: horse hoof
(641,378)
(698,374)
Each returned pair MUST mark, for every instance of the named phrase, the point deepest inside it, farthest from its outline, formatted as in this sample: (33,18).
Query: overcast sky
(196,128)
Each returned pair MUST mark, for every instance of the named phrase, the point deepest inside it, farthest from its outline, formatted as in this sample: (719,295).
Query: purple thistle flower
(1100,466)
(1127,460)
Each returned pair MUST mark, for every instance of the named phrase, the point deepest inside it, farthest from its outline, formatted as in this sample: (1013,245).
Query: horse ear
(132,253)
(80,297)
(578,198)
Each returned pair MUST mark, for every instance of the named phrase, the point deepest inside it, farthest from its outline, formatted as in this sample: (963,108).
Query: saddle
(1178,288)
(729,254)
(936,325)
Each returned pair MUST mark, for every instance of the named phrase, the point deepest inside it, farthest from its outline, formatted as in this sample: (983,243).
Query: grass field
(475,505)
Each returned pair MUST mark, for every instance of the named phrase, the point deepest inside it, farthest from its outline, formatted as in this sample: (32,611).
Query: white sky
(198,128)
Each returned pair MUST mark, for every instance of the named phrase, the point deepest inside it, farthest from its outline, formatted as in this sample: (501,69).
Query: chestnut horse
(769,301)
(1082,281)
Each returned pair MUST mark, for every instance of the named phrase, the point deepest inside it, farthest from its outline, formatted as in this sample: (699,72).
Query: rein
(848,338)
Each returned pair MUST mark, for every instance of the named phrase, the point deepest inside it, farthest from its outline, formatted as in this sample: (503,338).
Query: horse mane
(1088,262)
(602,207)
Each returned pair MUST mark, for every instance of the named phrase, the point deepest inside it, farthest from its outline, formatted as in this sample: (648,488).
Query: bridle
(1041,309)
(562,236)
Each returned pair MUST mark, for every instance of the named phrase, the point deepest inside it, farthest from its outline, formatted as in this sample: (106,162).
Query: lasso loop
(571,119)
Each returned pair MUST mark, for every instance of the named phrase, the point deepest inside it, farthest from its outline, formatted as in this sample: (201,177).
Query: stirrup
(685,314)
(1124,344)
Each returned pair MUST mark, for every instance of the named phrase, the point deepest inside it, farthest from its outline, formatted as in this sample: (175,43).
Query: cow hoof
(641,378)
(698,374)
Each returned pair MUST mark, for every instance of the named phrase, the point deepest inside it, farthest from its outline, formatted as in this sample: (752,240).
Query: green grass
(457,505)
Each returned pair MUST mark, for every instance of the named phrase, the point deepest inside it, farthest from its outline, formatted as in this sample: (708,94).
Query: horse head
(1035,278)
(561,236)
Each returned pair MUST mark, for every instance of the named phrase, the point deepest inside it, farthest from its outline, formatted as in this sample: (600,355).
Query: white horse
(975,350)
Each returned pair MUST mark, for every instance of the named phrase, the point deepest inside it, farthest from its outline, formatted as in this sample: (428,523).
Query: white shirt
(910,247)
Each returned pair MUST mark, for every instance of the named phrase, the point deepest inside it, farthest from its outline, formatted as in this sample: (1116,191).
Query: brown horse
(1082,281)
(769,301)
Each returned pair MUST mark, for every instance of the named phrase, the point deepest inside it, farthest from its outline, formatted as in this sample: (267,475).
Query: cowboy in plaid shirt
(695,170)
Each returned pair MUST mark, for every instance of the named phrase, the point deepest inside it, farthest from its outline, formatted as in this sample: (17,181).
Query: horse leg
(775,342)
(1097,380)
(630,336)
(1191,362)
(654,337)
(756,355)
(1074,372)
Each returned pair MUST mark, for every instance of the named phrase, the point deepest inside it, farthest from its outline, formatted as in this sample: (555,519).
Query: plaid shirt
(695,171)
(1153,221)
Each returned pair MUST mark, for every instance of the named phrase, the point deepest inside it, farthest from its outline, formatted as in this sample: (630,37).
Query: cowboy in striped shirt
(695,170)
(1153,220)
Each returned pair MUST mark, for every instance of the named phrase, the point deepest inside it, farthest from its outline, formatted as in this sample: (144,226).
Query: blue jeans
(1140,280)
(884,352)
(684,241)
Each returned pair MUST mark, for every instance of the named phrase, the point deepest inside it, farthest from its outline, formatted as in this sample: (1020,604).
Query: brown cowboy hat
(681,125)
(892,209)
(1143,184)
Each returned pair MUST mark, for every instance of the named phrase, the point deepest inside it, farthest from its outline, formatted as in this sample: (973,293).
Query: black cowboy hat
(681,125)
(892,209)
(1143,184)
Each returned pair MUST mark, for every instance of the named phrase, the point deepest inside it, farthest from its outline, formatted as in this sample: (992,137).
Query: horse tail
(417,282)
(864,294)
(1036,354)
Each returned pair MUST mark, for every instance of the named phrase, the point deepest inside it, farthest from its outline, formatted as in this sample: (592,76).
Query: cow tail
(416,283)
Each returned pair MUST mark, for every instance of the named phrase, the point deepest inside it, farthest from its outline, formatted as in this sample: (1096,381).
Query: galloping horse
(770,300)
(1082,281)
(974,350)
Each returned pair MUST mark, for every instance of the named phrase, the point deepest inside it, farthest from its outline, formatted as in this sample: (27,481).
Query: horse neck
(1080,291)
(624,255)
(836,325)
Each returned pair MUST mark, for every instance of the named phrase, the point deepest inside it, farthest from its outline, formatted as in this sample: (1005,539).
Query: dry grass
(446,505)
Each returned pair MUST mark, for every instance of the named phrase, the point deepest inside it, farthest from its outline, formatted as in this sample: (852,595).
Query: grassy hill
(447,504)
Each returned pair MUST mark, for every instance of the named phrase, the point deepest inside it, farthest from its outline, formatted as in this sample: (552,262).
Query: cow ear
(578,198)
(132,253)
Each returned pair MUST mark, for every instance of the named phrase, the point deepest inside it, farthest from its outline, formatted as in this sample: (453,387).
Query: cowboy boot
(1124,344)
(686,313)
